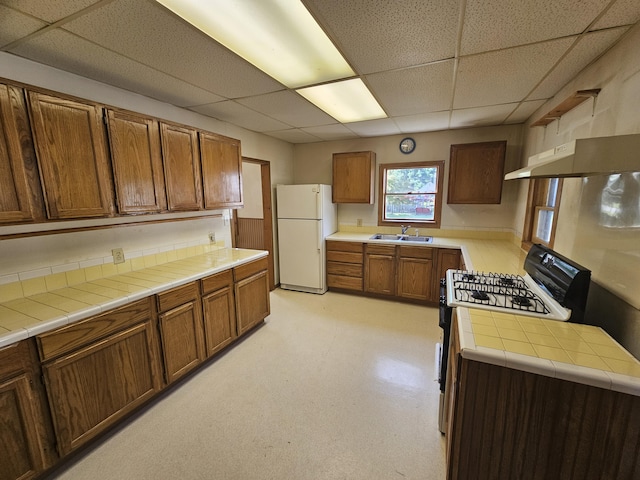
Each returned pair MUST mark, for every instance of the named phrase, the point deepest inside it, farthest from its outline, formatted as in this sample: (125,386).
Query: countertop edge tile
(584,375)
(13,337)
(526,363)
(43,327)
(485,355)
(624,383)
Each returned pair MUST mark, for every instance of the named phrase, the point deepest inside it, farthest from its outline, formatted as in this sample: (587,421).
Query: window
(542,211)
(410,192)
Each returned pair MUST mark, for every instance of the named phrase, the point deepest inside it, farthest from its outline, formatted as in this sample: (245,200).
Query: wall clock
(407,145)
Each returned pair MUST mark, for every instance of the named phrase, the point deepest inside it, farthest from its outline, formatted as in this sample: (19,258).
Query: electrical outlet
(118,255)
(359,222)
(212,237)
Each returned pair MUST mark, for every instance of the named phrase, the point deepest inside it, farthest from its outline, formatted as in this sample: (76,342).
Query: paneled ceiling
(432,65)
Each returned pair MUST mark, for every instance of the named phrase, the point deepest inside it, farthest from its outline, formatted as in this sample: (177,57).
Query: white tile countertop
(580,353)
(23,316)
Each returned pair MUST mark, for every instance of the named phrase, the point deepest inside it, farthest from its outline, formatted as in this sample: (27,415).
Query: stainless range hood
(584,157)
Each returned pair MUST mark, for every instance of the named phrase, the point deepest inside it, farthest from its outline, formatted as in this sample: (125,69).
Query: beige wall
(313,163)
(21,255)
(599,218)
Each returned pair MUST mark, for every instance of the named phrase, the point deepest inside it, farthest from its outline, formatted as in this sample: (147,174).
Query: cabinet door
(221,171)
(181,167)
(476,172)
(354,177)
(219,319)
(19,443)
(93,387)
(72,153)
(182,343)
(137,164)
(380,274)
(448,258)
(252,300)
(20,194)
(415,278)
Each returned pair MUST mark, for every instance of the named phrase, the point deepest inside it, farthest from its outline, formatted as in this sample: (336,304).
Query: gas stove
(500,291)
(553,287)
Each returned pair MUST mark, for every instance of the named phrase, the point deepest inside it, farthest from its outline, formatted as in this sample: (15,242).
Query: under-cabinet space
(99,370)
(180,322)
(218,308)
(476,173)
(20,192)
(72,152)
(137,163)
(345,265)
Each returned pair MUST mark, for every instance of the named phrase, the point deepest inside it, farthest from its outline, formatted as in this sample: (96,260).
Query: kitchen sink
(396,237)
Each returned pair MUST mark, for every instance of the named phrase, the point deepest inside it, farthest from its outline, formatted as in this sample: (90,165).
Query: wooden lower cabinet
(506,423)
(251,294)
(380,269)
(345,269)
(98,370)
(415,273)
(180,321)
(26,437)
(219,315)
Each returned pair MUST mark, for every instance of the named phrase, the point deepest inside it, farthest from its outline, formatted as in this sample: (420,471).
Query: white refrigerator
(306,216)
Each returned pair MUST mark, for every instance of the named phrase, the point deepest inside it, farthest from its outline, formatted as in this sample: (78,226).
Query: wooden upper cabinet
(137,162)
(20,194)
(354,177)
(221,171)
(476,172)
(72,153)
(181,167)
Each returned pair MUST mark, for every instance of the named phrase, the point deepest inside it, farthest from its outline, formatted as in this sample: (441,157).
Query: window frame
(537,202)
(437,214)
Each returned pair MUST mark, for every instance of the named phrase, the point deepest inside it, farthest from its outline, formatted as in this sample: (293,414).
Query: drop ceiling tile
(378,35)
(414,90)
(505,76)
(47,10)
(16,25)
(495,24)
(524,111)
(68,52)
(334,131)
(288,107)
(150,34)
(425,122)
(233,112)
(294,135)
(588,48)
(481,116)
(622,12)
(374,128)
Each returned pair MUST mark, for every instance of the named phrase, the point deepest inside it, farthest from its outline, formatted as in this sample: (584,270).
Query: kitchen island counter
(580,353)
(22,316)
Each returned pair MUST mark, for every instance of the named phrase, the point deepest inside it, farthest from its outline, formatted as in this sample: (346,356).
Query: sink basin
(401,238)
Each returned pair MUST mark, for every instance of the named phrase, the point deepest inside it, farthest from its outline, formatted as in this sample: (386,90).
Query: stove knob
(443,282)
(443,301)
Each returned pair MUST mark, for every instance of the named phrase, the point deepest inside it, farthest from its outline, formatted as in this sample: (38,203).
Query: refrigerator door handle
(319,235)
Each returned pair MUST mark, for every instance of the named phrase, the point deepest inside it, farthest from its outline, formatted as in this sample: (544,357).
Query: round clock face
(407,145)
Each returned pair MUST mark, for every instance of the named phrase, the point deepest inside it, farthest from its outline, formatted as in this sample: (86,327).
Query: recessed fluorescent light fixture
(280,37)
(346,101)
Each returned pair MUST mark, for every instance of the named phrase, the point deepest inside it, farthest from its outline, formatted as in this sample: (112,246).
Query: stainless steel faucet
(404,229)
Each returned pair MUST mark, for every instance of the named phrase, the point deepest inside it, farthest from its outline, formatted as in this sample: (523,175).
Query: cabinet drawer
(217,281)
(66,339)
(344,257)
(344,246)
(177,296)
(248,269)
(381,249)
(344,282)
(416,252)
(348,269)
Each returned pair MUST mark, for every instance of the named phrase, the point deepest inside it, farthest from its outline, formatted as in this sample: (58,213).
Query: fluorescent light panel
(346,101)
(280,37)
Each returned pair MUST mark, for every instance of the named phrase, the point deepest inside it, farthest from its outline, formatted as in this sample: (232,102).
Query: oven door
(445,314)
